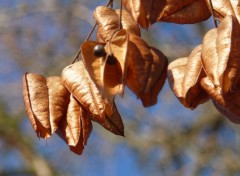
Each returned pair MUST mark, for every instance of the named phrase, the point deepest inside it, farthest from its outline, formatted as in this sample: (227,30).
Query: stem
(76,58)
(120,19)
(214,18)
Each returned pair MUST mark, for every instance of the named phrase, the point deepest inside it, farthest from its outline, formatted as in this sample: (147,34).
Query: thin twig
(214,18)
(110,3)
(120,19)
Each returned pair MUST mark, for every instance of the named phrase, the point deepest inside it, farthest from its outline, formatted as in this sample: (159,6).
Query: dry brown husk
(76,128)
(108,22)
(76,78)
(228,104)
(184,76)
(221,54)
(148,12)
(45,101)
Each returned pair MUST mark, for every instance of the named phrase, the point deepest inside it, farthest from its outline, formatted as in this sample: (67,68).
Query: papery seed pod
(210,56)
(221,8)
(156,78)
(76,78)
(184,77)
(108,72)
(228,42)
(146,70)
(108,22)
(35,93)
(185,12)
(193,13)
(228,104)
(79,83)
(76,127)
(45,101)
(194,72)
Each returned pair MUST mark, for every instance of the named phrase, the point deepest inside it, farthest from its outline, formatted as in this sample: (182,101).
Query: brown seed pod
(76,128)
(184,77)
(108,22)
(148,12)
(228,104)
(45,101)
(80,84)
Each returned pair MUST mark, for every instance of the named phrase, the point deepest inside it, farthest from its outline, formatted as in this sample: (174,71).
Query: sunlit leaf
(45,100)
(156,78)
(76,127)
(35,93)
(228,42)
(79,83)
(228,104)
(194,13)
(210,56)
(76,78)
(108,22)
(184,76)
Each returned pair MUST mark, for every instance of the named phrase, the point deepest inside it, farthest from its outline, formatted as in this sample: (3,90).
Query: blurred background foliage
(167,139)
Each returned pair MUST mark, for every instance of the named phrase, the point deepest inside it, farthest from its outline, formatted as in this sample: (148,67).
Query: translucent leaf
(228,104)
(194,13)
(108,23)
(228,42)
(35,94)
(184,77)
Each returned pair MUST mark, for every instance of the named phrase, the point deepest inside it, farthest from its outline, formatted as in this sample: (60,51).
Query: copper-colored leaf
(228,42)
(76,127)
(221,8)
(146,70)
(176,72)
(58,100)
(193,13)
(156,78)
(108,22)
(108,76)
(193,93)
(228,104)
(35,93)
(144,12)
(76,78)
(210,56)
(45,101)
(183,12)
(138,64)
(184,77)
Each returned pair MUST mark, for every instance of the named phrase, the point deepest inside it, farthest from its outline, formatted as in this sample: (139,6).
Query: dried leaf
(184,12)
(193,13)
(228,104)
(138,64)
(35,94)
(176,73)
(146,70)
(45,101)
(210,56)
(221,8)
(76,127)
(108,22)
(109,77)
(192,91)
(228,42)
(184,77)
(58,100)
(156,78)
(144,12)
(77,80)
(113,121)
